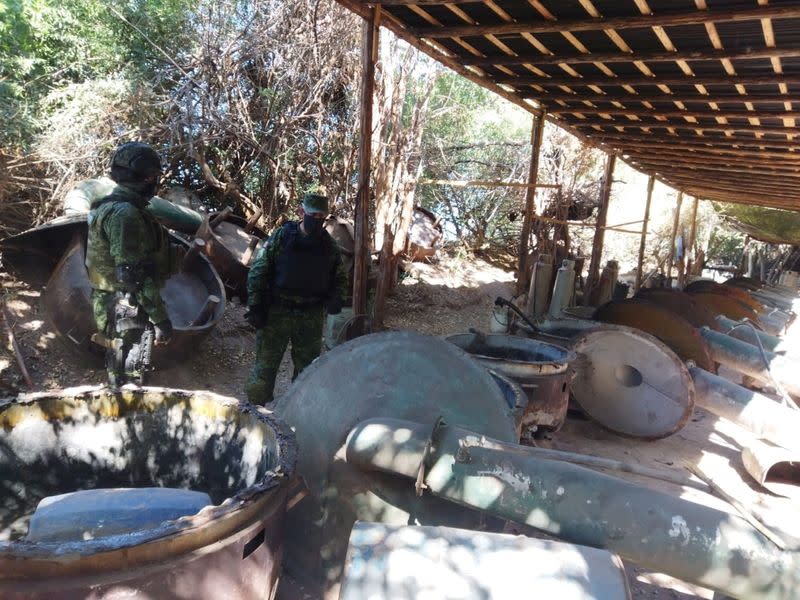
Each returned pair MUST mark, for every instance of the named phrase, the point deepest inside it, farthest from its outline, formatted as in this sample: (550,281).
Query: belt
(297,304)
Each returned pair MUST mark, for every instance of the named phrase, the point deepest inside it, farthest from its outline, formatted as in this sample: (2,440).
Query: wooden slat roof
(701,93)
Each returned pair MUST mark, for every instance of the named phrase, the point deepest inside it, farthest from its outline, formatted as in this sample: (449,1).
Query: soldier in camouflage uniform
(296,275)
(128,255)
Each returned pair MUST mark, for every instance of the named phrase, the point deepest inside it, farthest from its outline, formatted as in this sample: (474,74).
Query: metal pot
(541,369)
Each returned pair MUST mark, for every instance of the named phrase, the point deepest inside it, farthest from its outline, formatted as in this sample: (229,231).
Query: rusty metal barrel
(63,441)
(54,254)
(541,369)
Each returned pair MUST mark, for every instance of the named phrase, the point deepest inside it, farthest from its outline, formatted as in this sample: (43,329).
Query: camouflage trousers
(302,327)
(102,307)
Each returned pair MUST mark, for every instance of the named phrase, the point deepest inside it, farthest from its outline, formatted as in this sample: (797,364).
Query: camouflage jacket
(122,234)
(261,279)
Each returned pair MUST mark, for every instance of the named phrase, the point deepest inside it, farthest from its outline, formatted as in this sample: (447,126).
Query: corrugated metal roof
(701,93)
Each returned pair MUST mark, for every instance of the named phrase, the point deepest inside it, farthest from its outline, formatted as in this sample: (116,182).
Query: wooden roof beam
(613,96)
(620,139)
(655,112)
(418,2)
(718,127)
(792,172)
(639,80)
(703,153)
(627,57)
(691,17)
(669,157)
(730,183)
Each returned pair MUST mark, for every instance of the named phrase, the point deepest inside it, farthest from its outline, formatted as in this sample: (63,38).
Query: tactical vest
(304,265)
(99,262)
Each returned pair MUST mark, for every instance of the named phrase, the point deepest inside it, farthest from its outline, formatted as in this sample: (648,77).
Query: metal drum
(95,439)
(541,369)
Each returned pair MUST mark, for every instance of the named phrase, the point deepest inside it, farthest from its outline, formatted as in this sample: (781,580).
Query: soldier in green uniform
(129,258)
(295,277)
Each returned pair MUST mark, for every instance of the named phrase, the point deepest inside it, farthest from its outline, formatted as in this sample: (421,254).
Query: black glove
(163,331)
(128,278)
(256,315)
(334,306)
(132,276)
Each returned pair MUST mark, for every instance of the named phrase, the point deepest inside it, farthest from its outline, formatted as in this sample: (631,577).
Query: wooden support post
(600,229)
(370,37)
(537,129)
(651,182)
(671,260)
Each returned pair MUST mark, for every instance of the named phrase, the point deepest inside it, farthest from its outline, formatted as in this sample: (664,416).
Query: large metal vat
(87,438)
(60,250)
(541,369)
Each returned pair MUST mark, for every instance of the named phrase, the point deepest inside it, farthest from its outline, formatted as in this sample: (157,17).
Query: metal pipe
(775,321)
(747,360)
(748,334)
(655,530)
(757,413)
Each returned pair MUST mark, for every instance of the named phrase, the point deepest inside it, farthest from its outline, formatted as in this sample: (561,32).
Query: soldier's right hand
(257,316)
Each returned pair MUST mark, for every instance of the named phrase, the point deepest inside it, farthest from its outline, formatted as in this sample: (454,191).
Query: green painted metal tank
(393,374)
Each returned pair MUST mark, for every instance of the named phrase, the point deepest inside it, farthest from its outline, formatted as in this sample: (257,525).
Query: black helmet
(134,161)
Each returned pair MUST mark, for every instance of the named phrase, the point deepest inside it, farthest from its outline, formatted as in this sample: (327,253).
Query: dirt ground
(437,299)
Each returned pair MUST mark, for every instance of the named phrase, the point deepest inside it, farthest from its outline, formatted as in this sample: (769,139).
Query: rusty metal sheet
(681,304)
(424,234)
(745,283)
(773,467)
(515,396)
(720,304)
(726,290)
(230,249)
(32,254)
(631,383)
(669,327)
(67,304)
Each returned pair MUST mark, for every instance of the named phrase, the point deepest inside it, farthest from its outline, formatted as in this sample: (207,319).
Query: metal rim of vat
(172,539)
(514,367)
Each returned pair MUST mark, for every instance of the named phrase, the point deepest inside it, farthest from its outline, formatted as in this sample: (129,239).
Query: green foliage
(766,224)
(475,135)
(47,45)
(725,247)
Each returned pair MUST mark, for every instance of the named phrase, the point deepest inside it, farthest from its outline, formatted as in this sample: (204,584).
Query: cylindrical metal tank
(94,438)
(541,369)
(539,289)
(563,289)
